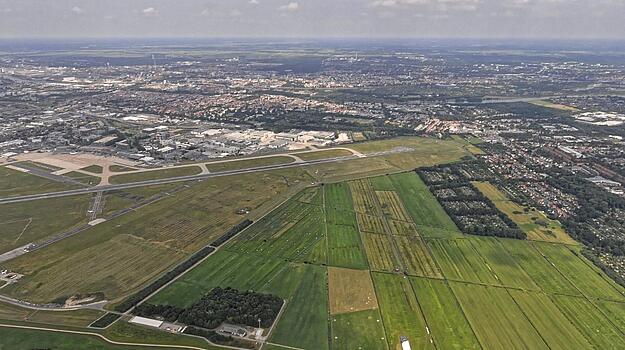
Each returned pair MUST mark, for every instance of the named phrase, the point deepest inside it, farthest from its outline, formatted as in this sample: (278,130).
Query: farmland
(359,263)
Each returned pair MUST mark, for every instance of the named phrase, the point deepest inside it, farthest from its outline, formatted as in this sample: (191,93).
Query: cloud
(150,11)
(253,2)
(397,3)
(291,6)
(77,10)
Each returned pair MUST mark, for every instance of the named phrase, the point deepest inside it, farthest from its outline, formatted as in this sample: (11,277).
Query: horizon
(375,19)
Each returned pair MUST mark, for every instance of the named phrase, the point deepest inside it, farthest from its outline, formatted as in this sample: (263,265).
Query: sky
(568,19)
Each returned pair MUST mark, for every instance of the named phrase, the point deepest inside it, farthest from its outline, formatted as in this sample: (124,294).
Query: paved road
(190,177)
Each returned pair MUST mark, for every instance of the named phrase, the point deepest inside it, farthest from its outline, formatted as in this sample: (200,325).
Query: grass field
(96,169)
(592,282)
(400,311)
(89,180)
(18,183)
(323,154)
(553,326)
(358,330)
(450,329)
(304,323)
(96,260)
(120,169)
(422,207)
(533,222)
(350,290)
(416,257)
(379,252)
(502,264)
(495,318)
(155,174)
(248,163)
(27,222)
(459,261)
(590,322)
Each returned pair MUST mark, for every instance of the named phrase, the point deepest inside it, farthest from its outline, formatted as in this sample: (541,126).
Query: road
(27,198)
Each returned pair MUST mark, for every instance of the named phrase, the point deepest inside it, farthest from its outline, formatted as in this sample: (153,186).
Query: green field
(96,169)
(423,208)
(495,318)
(398,266)
(400,311)
(18,183)
(247,163)
(88,180)
(323,154)
(32,221)
(155,174)
(450,329)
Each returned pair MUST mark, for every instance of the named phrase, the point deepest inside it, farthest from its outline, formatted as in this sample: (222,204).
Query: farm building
(233,330)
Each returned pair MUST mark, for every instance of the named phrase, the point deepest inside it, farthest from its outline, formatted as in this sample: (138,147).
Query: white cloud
(291,6)
(150,11)
(77,10)
(253,2)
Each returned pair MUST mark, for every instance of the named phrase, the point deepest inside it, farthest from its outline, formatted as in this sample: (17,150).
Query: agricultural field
(350,290)
(450,328)
(496,319)
(422,207)
(401,311)
(154,174)
(533,222)
(459,261)
(247,163)
(358,263)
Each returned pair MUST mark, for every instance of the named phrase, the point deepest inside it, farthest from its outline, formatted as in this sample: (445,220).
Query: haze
(313,18)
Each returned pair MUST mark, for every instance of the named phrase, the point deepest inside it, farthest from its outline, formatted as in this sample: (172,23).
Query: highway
(105,188)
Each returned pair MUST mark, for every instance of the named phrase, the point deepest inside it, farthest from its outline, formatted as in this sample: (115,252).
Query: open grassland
(96,169)
(495,318)
(382,183)
(358,330)
(18,183)
(553,326)
(323,154)
(120,168)
(545,275)
(590,322)
(379,252)
(131,333)
(416,257)
(460,262)
(155,174)
(591,281)
(400,311)
(151,239)
(304,323)
(88,180)
(449,328)
(350,290)
(502,264)
(26,222)
(533,222)
(248,163)
(422,207)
